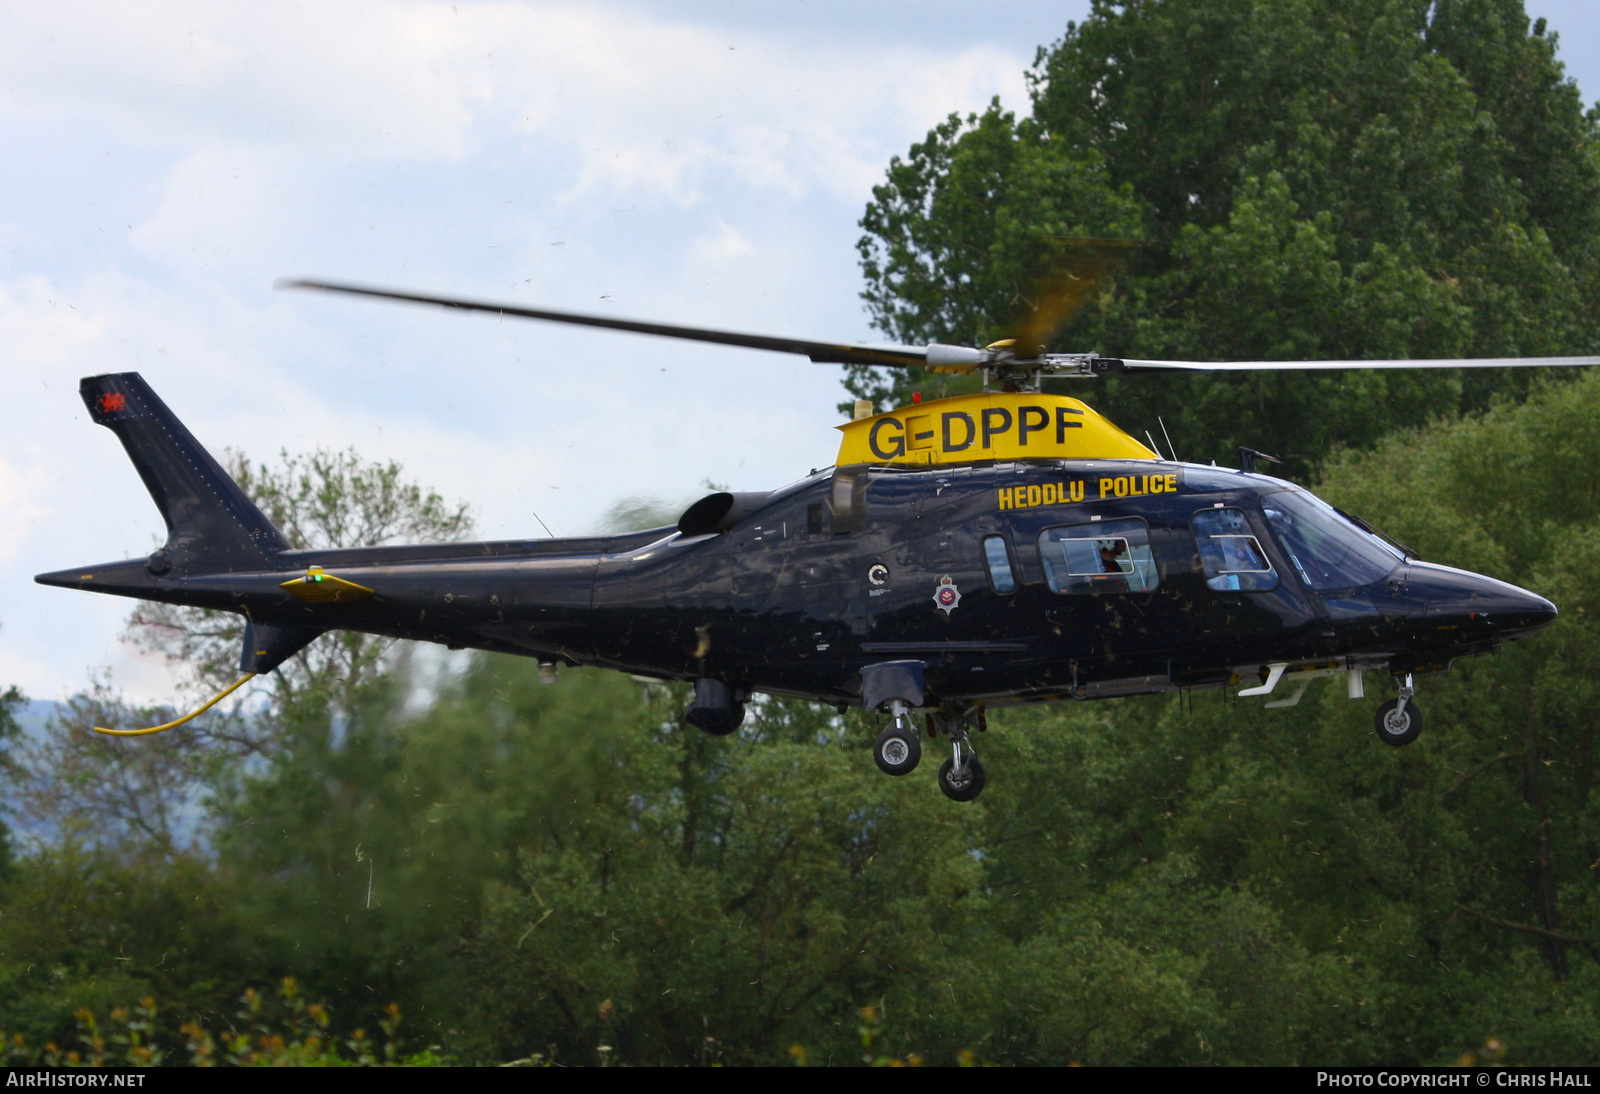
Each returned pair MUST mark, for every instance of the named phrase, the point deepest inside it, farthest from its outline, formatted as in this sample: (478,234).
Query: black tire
(898,751)
(967,788)
(1398,730)
(717,722)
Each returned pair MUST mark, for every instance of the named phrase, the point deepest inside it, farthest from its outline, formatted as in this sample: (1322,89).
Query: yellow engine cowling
(990,426)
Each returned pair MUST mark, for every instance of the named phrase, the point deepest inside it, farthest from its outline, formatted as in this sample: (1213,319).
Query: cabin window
(814,519)
(846,500)
(998,559)
(1110,556)
(1230,553)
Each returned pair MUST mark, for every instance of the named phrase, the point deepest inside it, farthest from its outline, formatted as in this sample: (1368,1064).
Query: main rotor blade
(828,353)
(1309,366)
(1068,272)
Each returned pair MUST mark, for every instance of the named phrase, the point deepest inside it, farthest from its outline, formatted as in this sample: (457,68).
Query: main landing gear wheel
(966,785)
(1398,725)
(721,723)
(898,751)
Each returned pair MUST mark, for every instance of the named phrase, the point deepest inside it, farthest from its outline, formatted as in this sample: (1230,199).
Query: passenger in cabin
(1111,550)
(1113,553)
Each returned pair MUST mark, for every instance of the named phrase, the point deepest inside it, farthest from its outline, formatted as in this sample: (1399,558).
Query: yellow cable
(173,725)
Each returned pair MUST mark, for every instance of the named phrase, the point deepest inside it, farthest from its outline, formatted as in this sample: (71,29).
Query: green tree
(368,856)
(971,227)
(152,792)
(127,827)
(1202,879)
(10,732)
(87,927)
(73,786)
(532,870)
(742,896)
(320,500)
(1310,179)
(1532,768)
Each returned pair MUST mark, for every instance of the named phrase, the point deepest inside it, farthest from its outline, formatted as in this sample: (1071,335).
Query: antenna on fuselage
(1248,458)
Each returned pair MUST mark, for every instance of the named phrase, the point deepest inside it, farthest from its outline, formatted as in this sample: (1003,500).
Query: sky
(699,161)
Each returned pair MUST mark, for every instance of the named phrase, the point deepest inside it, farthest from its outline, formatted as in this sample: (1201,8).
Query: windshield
(1327,551)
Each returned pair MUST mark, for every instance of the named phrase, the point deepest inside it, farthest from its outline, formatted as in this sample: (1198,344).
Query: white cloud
(636,102)
(371,78)
(217,201)
(23,489)
(721,246)
(179,156)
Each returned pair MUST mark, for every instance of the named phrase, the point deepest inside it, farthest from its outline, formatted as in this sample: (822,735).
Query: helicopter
(1002,547)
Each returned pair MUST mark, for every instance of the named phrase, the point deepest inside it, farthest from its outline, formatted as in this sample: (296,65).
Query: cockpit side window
(847,500)
(1230,553)
(998,560)
(1111,556)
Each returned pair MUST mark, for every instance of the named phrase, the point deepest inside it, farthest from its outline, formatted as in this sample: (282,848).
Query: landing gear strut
(961,777)
(898,687)
(1399,721)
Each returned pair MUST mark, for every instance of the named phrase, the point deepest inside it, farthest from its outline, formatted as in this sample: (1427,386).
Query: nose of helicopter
(1470,603)
(1534,613)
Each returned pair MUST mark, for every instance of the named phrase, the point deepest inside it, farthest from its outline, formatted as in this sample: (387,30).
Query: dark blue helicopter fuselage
(844,569)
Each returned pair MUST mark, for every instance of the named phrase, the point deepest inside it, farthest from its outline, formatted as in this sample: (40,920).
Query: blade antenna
(1168,436)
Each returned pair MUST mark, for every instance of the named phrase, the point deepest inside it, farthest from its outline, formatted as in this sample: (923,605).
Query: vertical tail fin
(211,523)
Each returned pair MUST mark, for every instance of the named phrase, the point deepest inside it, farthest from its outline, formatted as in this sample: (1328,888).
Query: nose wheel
(964,783)
(1399,721)
(961,777)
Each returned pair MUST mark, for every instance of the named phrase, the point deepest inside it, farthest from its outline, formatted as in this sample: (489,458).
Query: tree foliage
(294,1033)
(11,701)
(73,785)
(322,500)
(568,874)
(82,786)
(1310,179)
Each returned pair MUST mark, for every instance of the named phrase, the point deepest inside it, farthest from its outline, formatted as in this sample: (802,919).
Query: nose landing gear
(898,749)
(1399,721)
(961,777)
